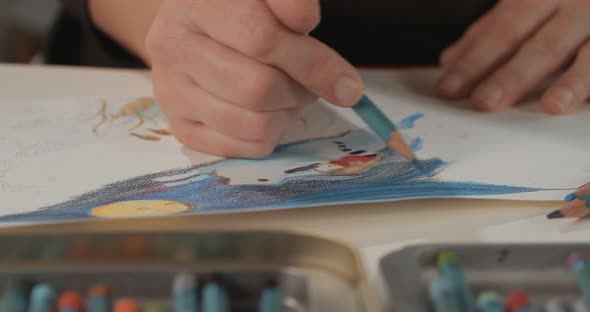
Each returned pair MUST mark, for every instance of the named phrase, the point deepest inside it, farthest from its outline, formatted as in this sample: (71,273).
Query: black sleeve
(75,41)
(367,32)
(396,32)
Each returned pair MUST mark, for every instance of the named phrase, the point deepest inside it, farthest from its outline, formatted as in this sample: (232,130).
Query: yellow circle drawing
(140,208)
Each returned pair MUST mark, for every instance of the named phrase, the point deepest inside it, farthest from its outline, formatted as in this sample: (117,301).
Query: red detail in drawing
(351,160)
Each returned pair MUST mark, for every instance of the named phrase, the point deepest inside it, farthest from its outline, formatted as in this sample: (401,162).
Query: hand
(232,75)
(515,48)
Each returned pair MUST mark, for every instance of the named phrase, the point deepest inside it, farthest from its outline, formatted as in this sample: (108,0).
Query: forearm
(127,22)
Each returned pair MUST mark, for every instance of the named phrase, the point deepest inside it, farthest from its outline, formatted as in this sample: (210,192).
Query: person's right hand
(232,75)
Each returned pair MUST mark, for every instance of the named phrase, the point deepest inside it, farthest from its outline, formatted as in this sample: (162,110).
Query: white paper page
(80,158)
(521,146)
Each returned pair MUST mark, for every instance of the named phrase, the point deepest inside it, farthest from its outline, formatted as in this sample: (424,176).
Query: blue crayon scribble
(416,144)
(410,122)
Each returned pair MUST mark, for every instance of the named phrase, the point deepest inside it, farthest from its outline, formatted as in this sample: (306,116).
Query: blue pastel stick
(214,298)
(185,293)
(271,300)
(13,301)
(225,306)
(99,298)
(98,304)
(449,267)
(380,124)
(579,264)
(43,298)
(15,297)
(443,296)
(489,301)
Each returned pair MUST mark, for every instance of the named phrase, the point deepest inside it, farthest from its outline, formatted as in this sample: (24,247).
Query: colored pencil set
(24,296)
(449,290)
(577,205)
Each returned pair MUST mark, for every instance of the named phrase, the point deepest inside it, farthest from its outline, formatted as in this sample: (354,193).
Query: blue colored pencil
(386,129)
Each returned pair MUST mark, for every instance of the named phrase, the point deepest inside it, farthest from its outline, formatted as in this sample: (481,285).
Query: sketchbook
(93,158)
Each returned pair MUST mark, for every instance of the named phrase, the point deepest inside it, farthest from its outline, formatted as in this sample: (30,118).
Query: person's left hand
(517,46)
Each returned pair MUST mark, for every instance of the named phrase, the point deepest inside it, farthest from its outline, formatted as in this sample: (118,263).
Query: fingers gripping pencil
(575,209)
(577,206)
(385,129)
(581,192)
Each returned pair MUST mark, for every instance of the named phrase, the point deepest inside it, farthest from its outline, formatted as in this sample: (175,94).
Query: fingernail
(561,99)
(489,96)
(347,91)
(571,197)
(451,84)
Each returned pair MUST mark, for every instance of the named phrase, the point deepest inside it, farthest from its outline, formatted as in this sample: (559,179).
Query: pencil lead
(555,215)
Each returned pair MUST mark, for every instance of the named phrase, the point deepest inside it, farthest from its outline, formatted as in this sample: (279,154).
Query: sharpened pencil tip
(555,215)
(571,197)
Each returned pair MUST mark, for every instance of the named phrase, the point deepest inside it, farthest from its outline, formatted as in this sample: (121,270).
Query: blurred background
(24,25)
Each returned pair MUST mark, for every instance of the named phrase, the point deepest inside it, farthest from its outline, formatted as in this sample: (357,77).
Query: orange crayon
(70,301)
(99,290)
(126,305)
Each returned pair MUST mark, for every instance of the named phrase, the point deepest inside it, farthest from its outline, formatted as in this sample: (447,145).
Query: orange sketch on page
(136,116)
(577,205)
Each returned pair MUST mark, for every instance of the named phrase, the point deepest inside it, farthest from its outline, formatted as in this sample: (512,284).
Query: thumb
(301,16)
(301,57)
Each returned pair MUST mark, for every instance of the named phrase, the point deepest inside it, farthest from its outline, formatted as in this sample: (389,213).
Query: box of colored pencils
(489,278)
(209,271)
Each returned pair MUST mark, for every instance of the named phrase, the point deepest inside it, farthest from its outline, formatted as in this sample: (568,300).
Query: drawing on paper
(352,166)
(133,116)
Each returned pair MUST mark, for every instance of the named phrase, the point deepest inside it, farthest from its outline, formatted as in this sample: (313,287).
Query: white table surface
(374,228)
